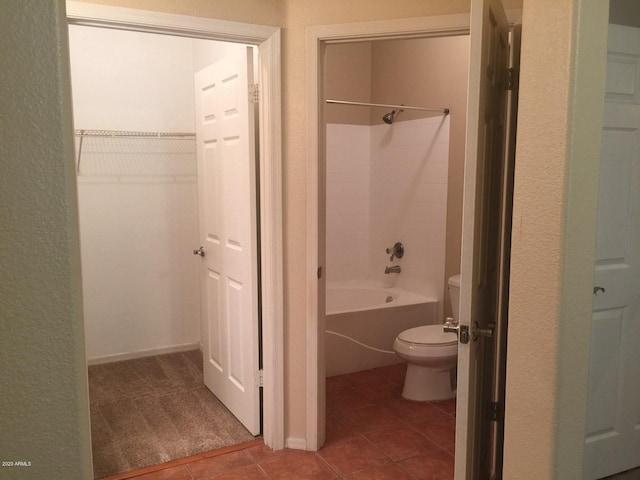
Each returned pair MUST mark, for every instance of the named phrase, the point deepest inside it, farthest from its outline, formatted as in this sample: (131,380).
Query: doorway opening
(321,41)
(486,181)
(389,183)
(138,202)
(174,152)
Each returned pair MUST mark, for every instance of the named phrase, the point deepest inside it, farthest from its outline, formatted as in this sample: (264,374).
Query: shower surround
(388,183)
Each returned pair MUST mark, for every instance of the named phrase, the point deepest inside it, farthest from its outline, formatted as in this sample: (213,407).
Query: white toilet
(431,355)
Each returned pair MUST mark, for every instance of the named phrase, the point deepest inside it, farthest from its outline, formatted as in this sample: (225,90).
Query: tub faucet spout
(394,269)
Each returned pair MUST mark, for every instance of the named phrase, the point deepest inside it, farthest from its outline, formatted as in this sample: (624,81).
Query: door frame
(316,39)
(267,39)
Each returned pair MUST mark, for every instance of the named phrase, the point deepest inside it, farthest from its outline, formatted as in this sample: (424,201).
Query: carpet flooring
(155,409)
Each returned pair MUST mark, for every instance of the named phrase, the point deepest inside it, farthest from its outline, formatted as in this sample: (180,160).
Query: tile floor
(372,434)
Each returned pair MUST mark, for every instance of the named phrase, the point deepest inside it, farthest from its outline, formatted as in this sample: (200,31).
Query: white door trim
(317,37)
(269,67)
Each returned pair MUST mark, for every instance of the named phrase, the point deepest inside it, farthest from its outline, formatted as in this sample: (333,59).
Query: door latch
(461,331)
(464,334)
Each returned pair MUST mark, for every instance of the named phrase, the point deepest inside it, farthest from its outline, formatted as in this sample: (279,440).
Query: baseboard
(118,357)
(296,443)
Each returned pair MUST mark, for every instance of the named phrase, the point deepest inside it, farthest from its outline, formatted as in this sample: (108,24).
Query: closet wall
(137,195)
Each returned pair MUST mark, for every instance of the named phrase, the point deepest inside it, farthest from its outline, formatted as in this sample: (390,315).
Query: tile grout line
(261,470)
(322,459)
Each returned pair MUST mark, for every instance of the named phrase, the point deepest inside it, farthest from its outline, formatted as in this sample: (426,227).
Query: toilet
(431,355)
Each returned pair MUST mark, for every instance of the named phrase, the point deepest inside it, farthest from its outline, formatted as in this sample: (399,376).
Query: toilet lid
(428,335)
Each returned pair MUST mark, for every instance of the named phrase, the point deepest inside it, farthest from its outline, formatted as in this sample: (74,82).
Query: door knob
(597,290)
(199,251)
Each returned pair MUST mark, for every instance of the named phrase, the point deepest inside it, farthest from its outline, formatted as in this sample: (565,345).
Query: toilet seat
(431,355)
(431,335)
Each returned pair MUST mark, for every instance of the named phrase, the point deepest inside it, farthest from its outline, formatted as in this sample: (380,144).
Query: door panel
(486,227)
(613,409)
(228,222)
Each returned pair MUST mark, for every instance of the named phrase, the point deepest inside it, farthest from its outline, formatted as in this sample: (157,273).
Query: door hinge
(495,411)
(259,379)
(254,93)
(319,273)
(511,78)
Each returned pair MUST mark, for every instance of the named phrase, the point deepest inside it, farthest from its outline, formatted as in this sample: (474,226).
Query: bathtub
(371,315)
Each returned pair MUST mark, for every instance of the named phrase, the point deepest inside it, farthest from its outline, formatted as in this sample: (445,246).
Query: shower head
(391,116)
(388,118)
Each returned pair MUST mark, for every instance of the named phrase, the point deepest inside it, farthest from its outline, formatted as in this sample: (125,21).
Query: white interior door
(613,409)
(481,239)
(228,231)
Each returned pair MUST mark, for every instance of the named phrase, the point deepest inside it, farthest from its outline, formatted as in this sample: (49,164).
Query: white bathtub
(371,315)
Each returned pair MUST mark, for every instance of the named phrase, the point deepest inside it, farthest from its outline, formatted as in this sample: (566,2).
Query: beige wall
(557,161)
(44,412)
(260,12)
(348,67)
(546,371)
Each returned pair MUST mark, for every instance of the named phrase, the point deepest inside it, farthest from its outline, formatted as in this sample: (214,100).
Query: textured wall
(557,159)
(45,415)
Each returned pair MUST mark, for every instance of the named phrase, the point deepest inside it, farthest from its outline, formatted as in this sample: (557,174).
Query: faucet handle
(396,251)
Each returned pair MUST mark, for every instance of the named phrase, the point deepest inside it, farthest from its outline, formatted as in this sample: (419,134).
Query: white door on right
(613,410)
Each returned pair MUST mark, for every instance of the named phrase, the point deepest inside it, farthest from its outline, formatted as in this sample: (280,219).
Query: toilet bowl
(431,355)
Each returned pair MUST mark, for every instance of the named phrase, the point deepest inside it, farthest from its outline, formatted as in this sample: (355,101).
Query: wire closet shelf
(134,153)
(123,133)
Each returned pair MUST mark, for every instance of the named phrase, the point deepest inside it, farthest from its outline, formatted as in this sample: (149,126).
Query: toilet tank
(454,295)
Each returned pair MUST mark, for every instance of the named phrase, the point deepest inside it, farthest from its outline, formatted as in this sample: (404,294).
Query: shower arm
(382,105)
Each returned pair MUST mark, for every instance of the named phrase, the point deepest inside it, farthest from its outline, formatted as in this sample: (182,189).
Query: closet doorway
(135,122)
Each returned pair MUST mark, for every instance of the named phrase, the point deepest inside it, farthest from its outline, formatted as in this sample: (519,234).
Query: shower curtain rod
(382,105)
(122,133)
